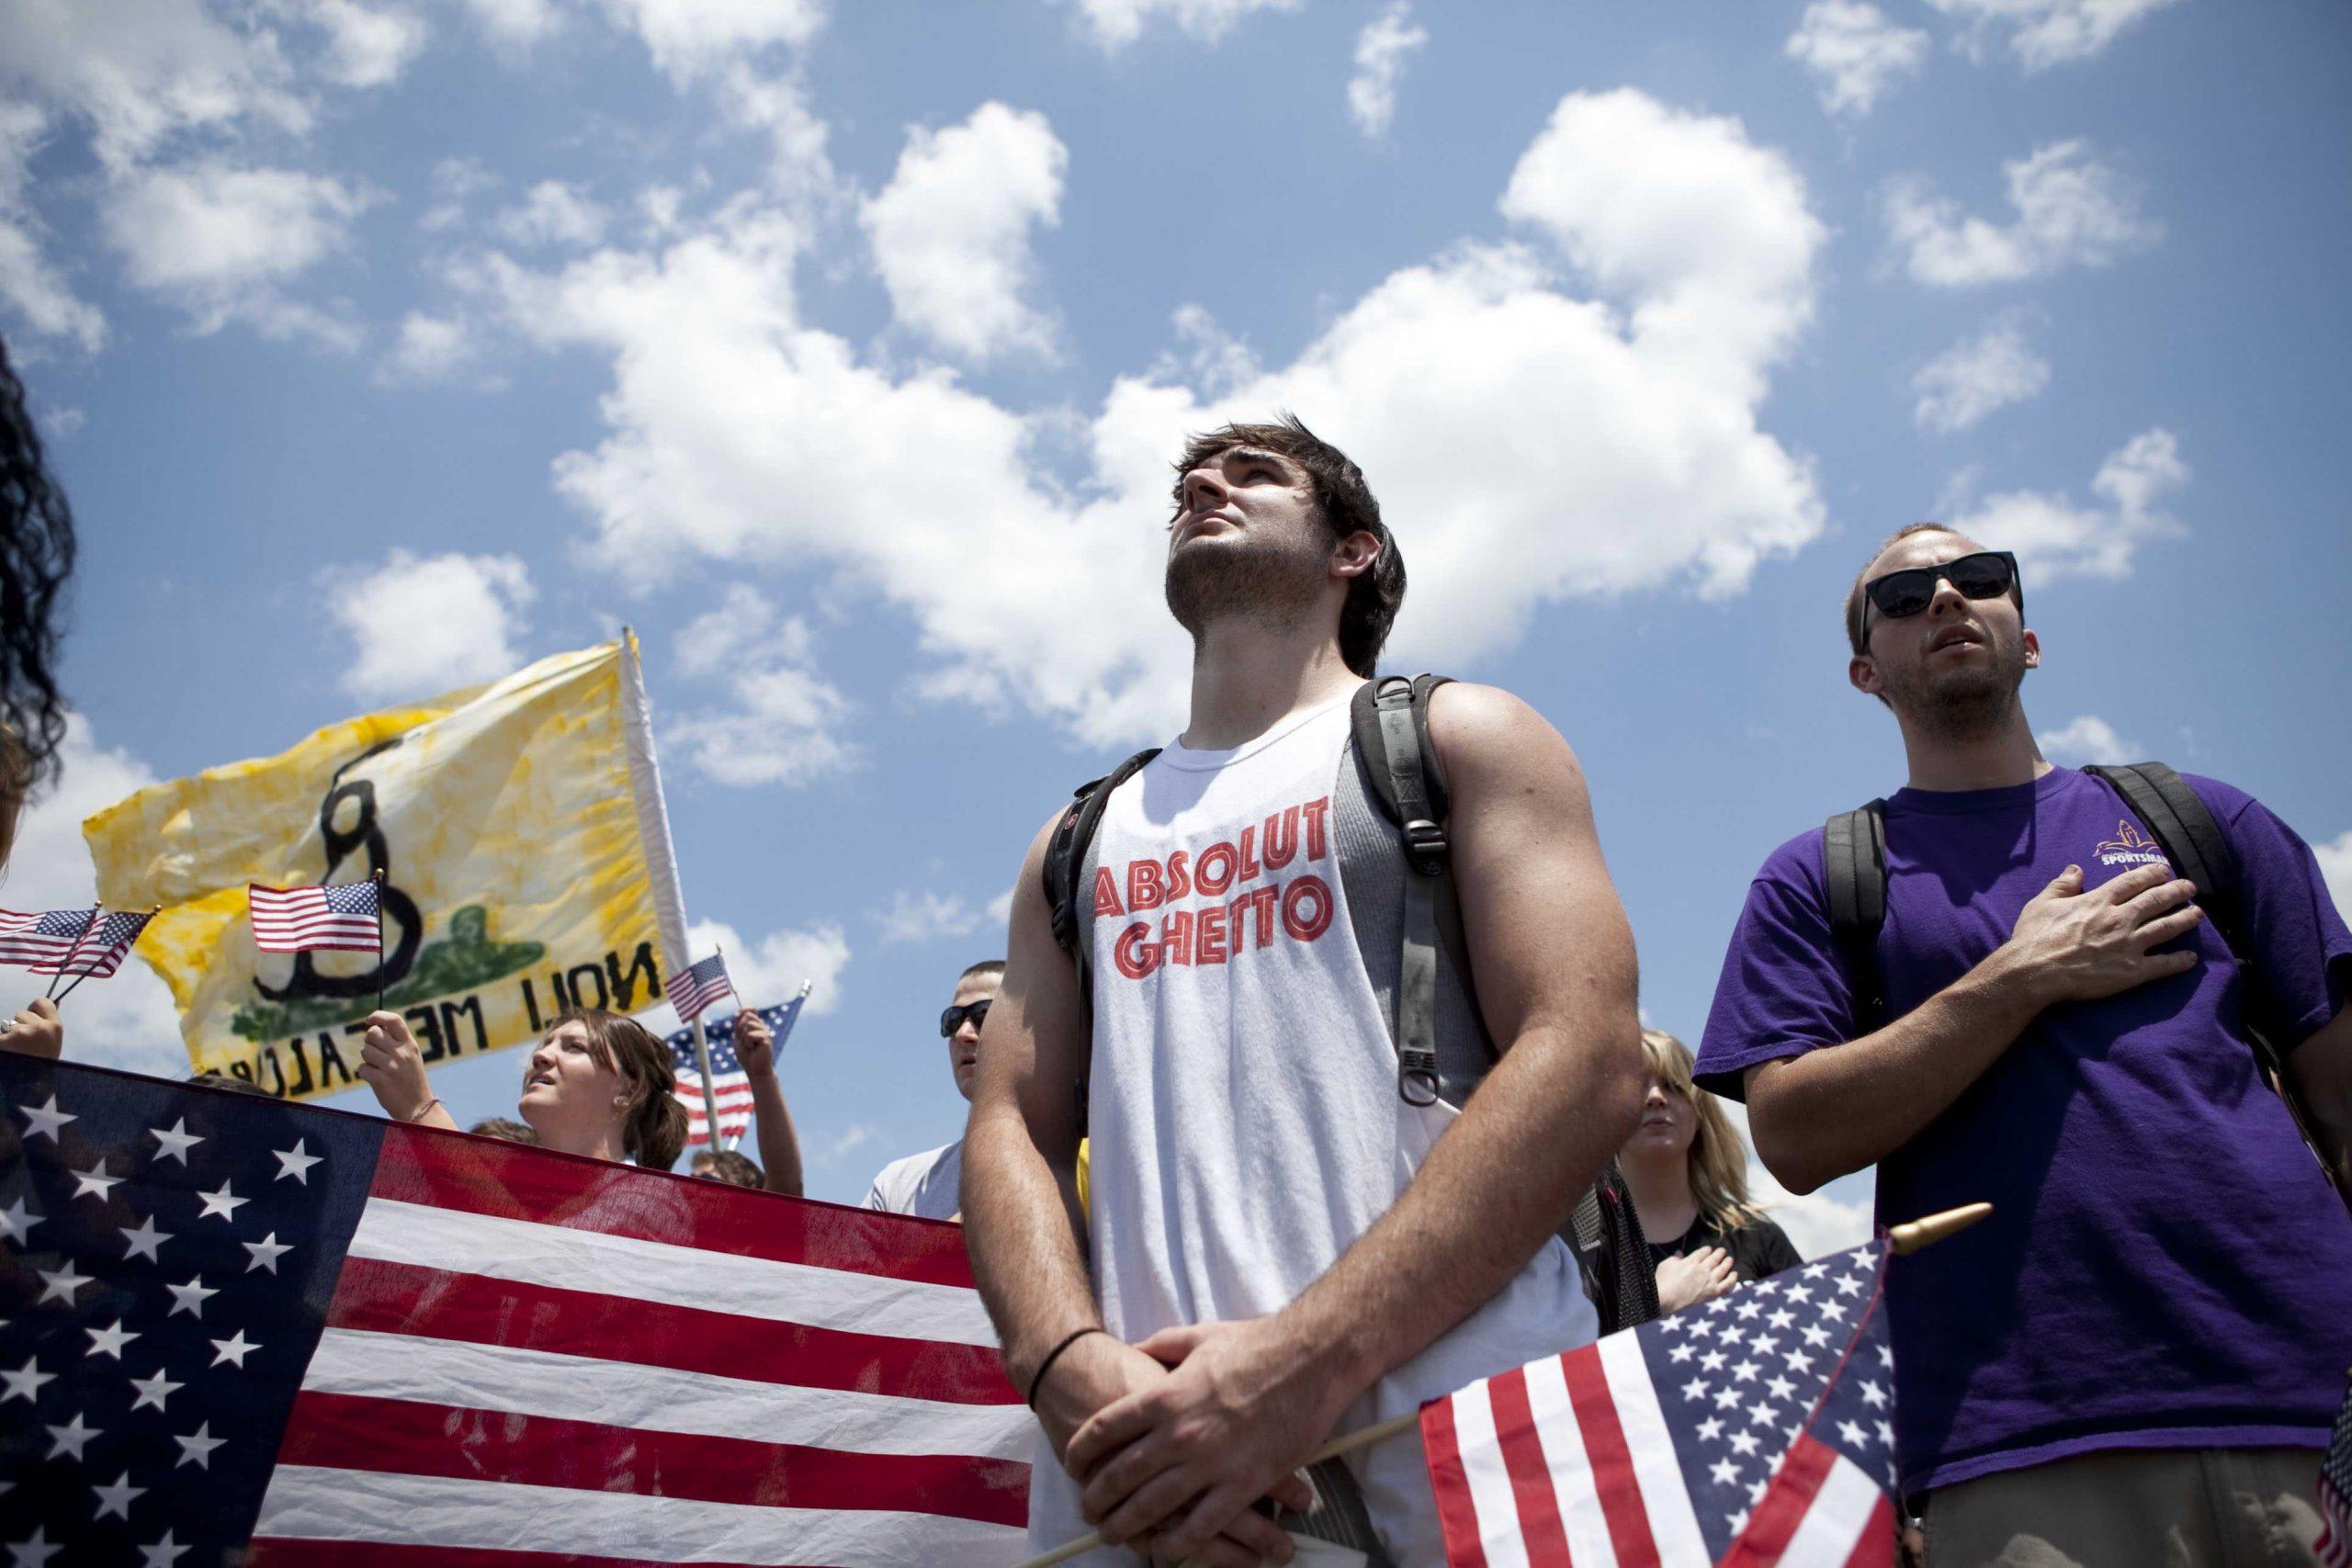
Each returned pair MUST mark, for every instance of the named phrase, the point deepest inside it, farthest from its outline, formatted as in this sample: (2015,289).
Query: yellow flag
(526,867)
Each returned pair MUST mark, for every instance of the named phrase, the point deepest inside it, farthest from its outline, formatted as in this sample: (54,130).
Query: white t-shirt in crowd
(928,1185)
(1243,1106)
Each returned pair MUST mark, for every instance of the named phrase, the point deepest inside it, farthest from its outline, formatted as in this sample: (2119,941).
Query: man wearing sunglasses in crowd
(2136,1358)
(929,1184)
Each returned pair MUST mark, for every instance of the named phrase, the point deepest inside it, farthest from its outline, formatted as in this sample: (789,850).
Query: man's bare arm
(1554,964)
(2321,1074)
(1836,1111)
(1021,1213)
(779,1140)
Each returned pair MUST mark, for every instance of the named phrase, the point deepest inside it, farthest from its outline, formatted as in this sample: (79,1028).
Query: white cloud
(1535,445)
(777,106)
(2053,538)
(35,289)
(1977,375)
(1000,910)
(2043,33)
(514,23)
(554,213)
(2089,738)
(786,723)
(770,969)
(952,231)
(143,70)
(927,916)
(688,38)
(1855,51)
(1118,23)
(423,625)
(2071,210)
(2336,865)
(1817,1223)
(429,348)
(127,1021)
(1381,49)
(830,1150)
(222,241)
(368,46)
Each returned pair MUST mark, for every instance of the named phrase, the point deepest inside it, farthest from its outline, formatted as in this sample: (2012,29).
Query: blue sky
(385,345)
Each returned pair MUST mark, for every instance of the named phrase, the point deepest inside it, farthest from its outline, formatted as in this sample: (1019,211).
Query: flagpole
(379,938)
(1903,1239)
(84,974)
(709,1095)
(80,937)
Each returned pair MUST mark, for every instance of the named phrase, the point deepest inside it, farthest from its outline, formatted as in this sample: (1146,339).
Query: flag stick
(85,973)
(1902,1239)
(709,1095)
(79,938)
(379,939)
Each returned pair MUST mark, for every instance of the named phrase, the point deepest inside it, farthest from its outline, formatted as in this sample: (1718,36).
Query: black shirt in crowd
(1757,1248)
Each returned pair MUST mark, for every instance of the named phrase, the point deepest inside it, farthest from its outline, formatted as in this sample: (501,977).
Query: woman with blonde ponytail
(597,1084)
(1688,1172)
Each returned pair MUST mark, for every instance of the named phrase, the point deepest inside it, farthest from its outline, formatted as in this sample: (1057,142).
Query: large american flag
(729,1086)
(343,916)
(1755,1429)
(695,990)
(230,1320)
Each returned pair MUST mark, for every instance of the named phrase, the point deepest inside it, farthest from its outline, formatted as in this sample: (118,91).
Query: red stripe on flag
(1457,1513)
(402,1298)
(339,1431)
(1794,1486)
(1876,1549)
(485,1176)
(1614,1480)
(1531,1474)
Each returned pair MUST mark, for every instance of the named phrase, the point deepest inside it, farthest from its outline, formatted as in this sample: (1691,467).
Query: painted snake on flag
(399,910)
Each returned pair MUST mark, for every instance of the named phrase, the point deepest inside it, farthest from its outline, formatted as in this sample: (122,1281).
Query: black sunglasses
(1987,574)
(953,1019)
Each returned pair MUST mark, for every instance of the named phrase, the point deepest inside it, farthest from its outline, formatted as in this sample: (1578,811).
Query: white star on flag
(16,1221)
(296,1162)
(110,1341)
(266,1252)
(223,1203)
(33,1552)
(236,1347)
(71,1438)
(153,1390)
(25,1382)
(60,1284)
(196,1448)
(143,1239)
(175,1141)
(94,1181)
(189,1298)
(115,1500)
(43,1120)
(162,1554)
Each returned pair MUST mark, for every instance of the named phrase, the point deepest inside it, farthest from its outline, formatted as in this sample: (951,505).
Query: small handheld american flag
(693,990)
(730,1084)
(69,942)
(1756,1429)
(2334,1547)
(344,916)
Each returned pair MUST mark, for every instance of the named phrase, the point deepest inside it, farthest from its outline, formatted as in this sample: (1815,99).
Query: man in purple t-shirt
(2141,1352)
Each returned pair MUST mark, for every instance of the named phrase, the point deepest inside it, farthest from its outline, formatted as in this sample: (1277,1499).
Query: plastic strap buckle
(1425,846)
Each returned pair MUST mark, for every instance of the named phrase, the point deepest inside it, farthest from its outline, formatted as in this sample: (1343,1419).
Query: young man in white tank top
(1277,1246)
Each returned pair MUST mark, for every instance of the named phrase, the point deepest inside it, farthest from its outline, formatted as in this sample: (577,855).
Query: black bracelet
(1037,1378)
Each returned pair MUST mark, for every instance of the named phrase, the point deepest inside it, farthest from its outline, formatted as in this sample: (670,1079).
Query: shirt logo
(2129,847)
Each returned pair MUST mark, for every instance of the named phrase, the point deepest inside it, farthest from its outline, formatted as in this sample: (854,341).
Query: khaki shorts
(2133,1509)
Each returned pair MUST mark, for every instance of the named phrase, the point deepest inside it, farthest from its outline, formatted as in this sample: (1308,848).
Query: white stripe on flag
(623,1394)
(1674,1524)
(564,1258)
(309,1503)
(1482,1467)
(1833,1526)
(1582,1518)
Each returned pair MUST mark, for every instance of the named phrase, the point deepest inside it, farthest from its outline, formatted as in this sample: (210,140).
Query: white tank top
(1245,1121)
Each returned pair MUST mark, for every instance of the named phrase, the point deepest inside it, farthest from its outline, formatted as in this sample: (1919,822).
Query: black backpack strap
(1062,874)
(1853,863)
(1390,716)
(2186,832)
(1612,1254)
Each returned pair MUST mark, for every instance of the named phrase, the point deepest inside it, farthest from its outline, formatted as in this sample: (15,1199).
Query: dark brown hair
(504,1127)
(984,966)
(1348,506)
(656,1128)
(1856,635)
(732,1167)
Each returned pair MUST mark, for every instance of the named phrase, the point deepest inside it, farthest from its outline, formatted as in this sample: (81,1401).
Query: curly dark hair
(35,556)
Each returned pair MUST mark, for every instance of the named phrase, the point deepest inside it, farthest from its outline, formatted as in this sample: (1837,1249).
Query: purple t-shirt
(2165,1266)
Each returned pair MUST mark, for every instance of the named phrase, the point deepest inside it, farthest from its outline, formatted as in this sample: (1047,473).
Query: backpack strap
(1853,863)
(1390,718)
(1065,862)
(1612,1254)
